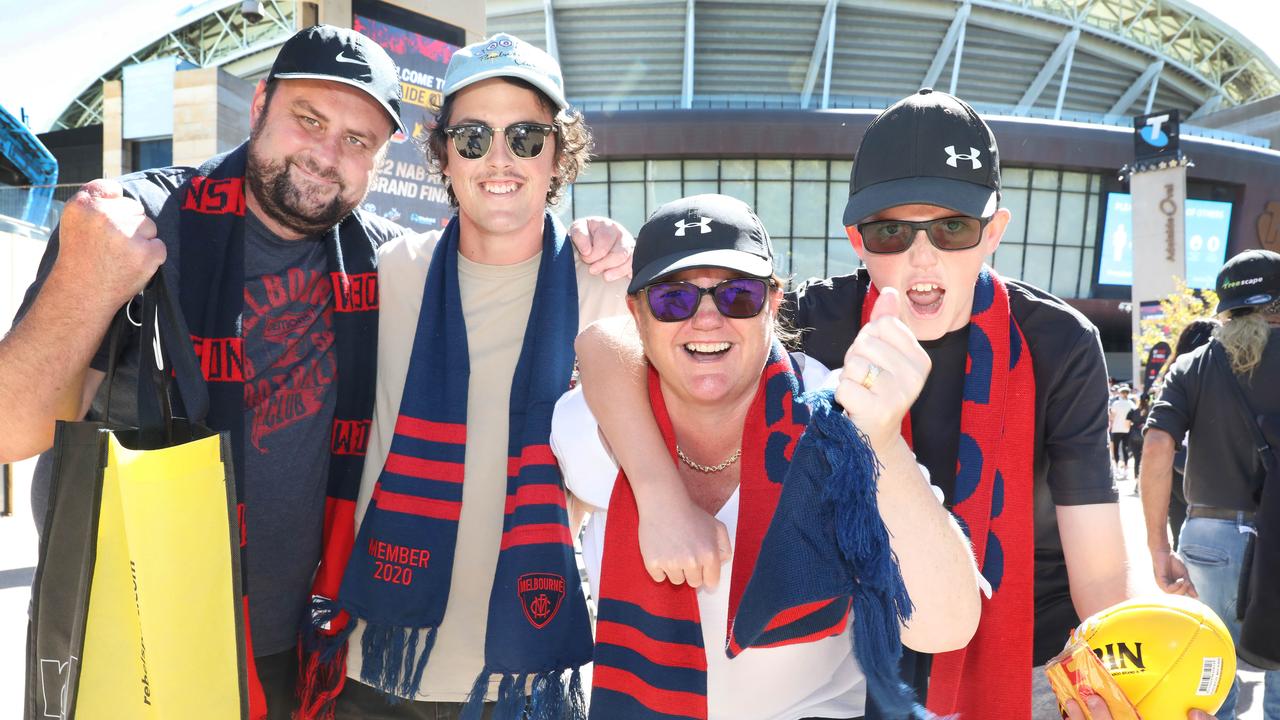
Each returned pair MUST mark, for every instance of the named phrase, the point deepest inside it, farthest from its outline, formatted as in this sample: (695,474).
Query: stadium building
(767,101)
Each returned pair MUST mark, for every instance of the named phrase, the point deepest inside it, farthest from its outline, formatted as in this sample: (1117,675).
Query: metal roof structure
(1089,60)
(1082,60)
(220,38)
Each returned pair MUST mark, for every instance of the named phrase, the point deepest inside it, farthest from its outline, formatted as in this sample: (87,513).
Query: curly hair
(572,136)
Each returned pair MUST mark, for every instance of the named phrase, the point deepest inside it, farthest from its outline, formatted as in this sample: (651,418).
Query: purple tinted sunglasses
(678,300)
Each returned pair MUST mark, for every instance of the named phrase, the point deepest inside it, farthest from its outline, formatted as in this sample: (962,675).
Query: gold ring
(873,372)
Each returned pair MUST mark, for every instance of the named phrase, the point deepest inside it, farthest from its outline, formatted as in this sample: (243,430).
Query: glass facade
(1049,243)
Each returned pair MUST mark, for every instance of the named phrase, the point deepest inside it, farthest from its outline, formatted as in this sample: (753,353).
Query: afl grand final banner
(403,191)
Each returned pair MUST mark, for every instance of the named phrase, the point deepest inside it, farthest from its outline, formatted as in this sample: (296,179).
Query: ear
(259,104)
(855,238)
(995,231)
(634,307)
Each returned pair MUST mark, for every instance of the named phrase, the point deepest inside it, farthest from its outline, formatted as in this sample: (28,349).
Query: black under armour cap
(325,52)
(697,232)
(1248,279)
(929,148)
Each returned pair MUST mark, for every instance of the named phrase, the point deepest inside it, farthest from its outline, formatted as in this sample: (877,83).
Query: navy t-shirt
(290,394)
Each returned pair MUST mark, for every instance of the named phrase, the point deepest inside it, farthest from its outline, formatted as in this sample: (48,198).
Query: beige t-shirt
(495,306)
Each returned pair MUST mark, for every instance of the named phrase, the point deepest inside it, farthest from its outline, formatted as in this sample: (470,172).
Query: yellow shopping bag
(137,606)
(163,589)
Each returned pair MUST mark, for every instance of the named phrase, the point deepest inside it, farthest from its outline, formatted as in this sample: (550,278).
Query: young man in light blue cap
(461,581)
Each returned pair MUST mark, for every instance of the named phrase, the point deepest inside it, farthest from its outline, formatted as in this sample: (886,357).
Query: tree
(1176,311)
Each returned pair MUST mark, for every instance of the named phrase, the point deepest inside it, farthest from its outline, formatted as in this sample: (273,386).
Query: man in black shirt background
(1224,472)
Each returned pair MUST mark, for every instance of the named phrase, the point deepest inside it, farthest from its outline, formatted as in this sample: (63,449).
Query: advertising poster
(1206,224)
(403,191)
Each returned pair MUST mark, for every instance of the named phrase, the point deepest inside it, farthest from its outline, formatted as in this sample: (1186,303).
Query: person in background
(1224,471)
(1196,333)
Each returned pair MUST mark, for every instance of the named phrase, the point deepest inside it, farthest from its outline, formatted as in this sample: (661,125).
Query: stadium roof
(1080,59)
(1087,60)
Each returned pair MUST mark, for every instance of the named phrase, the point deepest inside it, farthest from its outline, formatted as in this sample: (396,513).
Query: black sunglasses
(885,237)
(524,139)
(677,300)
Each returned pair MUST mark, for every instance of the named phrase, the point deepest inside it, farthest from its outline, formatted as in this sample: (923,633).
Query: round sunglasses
(524,139)
(676,300)
(886,237)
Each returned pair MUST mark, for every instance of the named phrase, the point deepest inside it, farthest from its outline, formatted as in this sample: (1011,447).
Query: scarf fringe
(550,697)
(880,597)
(322,666)
(391,660)
(473,708)
(577,699)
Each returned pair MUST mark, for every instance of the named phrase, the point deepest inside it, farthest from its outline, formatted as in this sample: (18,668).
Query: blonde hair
(1245,336)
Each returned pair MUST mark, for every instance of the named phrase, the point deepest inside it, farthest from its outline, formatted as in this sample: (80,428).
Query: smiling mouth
(707,350)
(500,188)
(925,298)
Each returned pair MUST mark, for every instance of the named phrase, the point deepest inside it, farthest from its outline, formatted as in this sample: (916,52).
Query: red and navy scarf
(211,295)
(397,579)
(994,498)
(828,550)
(650,661)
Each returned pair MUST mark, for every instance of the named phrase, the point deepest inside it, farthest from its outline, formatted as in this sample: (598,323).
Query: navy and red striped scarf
(211,294)
(994,502)
(397,579)
(649,659)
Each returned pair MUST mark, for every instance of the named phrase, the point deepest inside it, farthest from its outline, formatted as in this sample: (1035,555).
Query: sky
(53,49)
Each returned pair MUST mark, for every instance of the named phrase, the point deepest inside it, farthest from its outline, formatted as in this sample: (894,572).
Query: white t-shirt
(496,300)
(819,678)
(1120,408)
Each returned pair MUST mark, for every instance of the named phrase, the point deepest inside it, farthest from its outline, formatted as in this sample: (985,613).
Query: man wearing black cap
(923,214)
(268,253)
(1205,395)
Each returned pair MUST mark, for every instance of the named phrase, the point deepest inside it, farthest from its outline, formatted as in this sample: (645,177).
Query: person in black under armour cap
(1011,421)
(923,215)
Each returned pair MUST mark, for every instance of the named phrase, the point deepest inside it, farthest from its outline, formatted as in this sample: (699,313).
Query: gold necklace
(708,468)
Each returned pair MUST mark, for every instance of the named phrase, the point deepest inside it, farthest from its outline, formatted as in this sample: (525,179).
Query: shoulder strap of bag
(167,357)
(1246,411)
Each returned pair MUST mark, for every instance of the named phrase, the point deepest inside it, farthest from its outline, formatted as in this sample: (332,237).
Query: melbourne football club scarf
(993,501)
(650,660)
(398,577)
(827,549)
(211,294)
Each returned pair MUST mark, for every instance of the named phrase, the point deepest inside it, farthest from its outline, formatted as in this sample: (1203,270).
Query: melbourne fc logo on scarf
(540,596)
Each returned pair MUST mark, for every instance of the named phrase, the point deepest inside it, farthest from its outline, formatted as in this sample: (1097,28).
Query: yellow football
(1168,653)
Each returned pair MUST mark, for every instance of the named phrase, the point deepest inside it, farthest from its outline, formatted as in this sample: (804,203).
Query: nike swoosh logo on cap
(344,59)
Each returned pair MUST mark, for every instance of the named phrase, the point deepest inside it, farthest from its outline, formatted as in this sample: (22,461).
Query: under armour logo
(953,156)
(703,223)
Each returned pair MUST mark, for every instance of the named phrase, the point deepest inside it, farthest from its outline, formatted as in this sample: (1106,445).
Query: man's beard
(296,208)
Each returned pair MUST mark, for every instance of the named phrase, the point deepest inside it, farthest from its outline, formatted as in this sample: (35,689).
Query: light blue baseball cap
(505,55)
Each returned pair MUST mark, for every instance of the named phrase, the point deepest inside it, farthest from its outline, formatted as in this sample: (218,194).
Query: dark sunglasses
(678,300)
(525,139)
(886,237)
